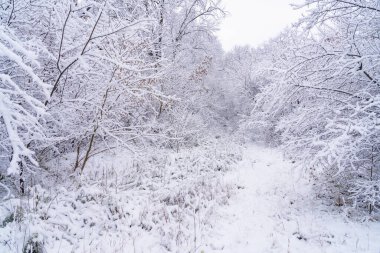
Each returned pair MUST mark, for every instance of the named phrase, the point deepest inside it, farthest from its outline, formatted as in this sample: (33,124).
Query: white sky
(252,22)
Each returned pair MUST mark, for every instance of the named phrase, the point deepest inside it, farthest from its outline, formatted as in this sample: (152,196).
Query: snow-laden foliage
(108,73)
(323,102)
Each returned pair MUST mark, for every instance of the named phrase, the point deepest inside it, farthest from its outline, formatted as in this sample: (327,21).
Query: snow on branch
(21,91)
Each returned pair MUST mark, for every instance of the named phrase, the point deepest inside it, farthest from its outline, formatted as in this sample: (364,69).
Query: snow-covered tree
(324,103)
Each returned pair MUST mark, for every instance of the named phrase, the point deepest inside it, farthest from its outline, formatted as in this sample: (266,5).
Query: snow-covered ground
(158,200)
(275,211)
(220,198)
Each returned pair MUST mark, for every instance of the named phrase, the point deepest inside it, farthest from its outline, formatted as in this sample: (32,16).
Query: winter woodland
(125,127)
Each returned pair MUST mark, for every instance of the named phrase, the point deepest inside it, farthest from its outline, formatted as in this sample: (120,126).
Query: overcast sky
(253,22)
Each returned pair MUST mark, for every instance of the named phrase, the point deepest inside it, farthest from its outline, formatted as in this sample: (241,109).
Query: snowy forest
(125,127)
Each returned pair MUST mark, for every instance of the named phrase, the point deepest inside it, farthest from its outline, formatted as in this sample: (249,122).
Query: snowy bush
(164,200)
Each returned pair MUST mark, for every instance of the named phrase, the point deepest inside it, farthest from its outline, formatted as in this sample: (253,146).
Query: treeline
(318,97)
(83,77)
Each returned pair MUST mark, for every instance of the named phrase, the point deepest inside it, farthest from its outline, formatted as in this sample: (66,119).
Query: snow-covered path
(273,212)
